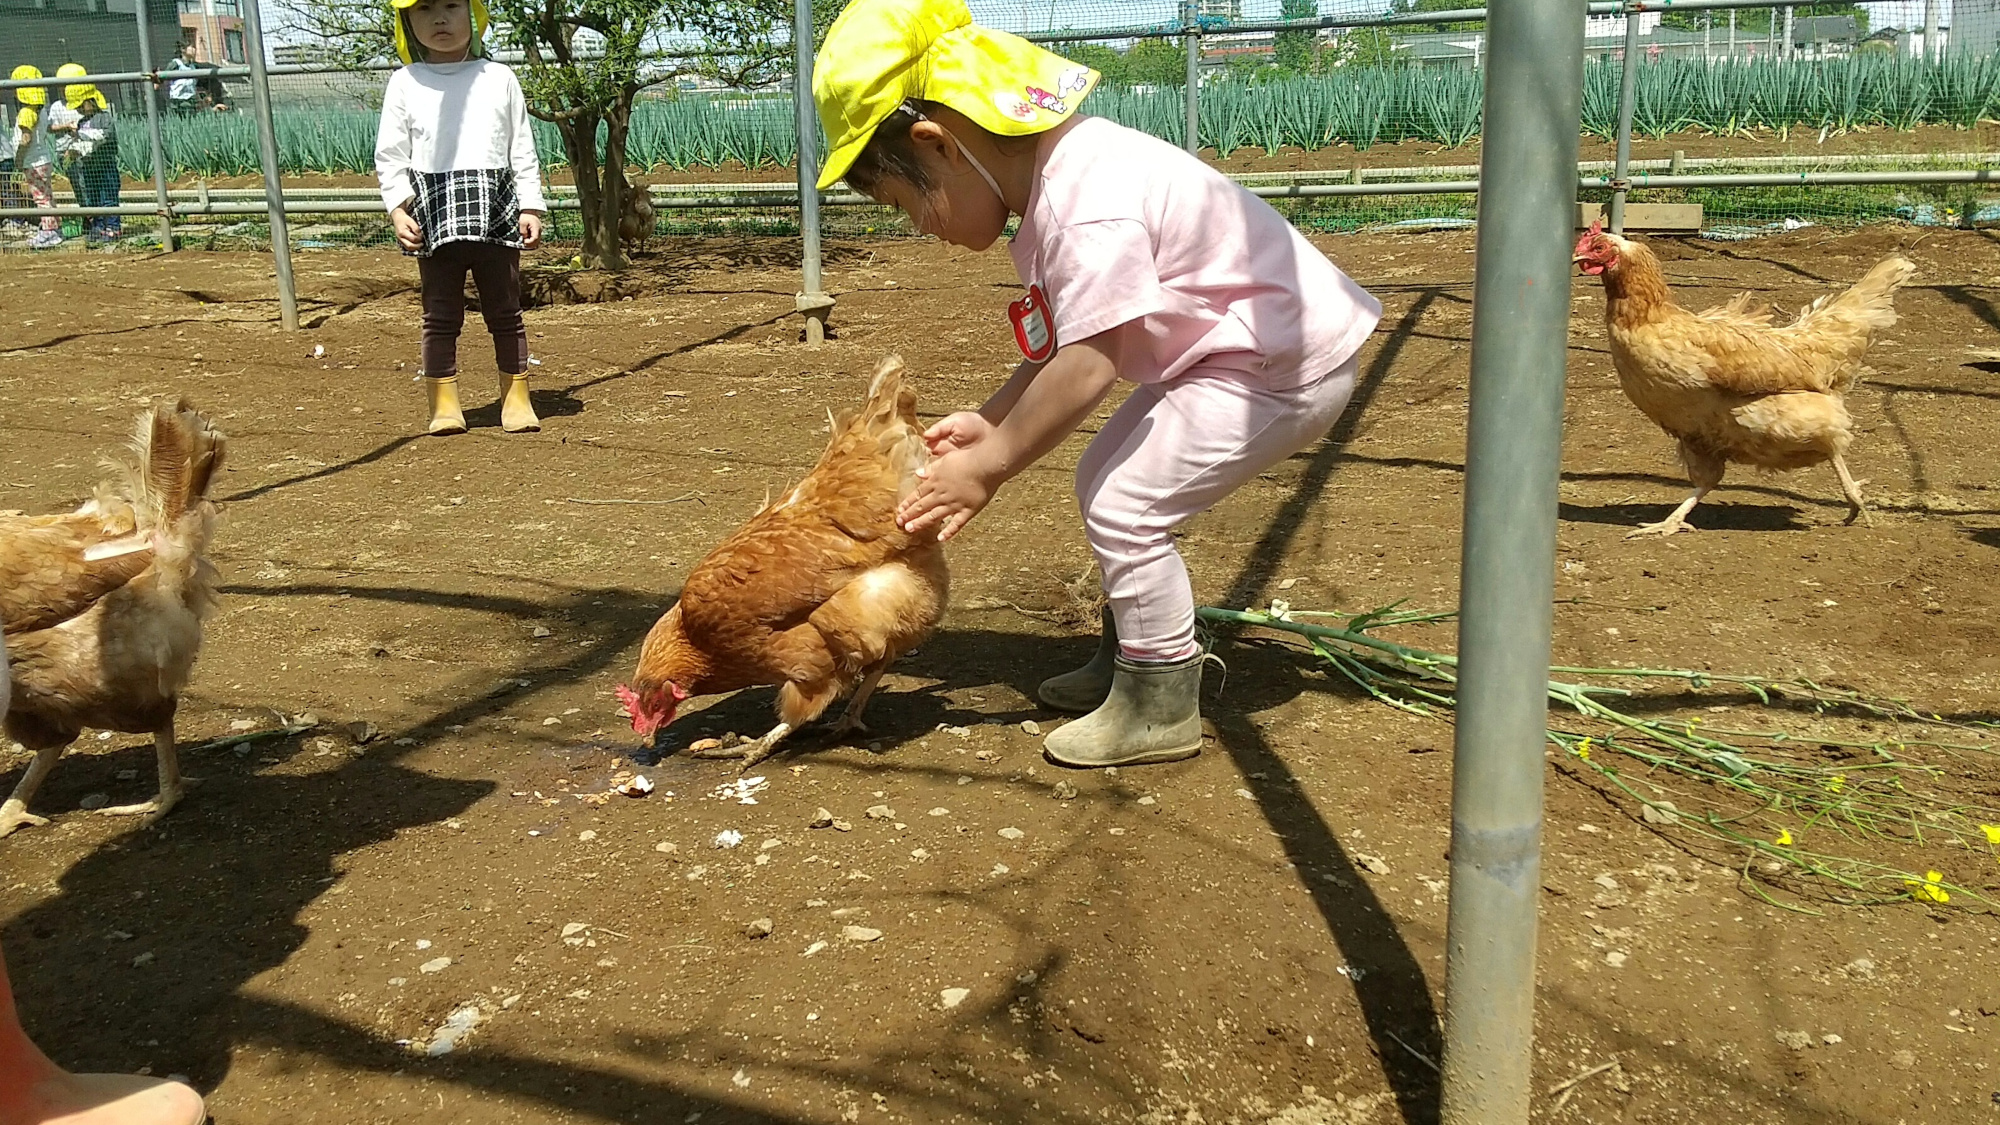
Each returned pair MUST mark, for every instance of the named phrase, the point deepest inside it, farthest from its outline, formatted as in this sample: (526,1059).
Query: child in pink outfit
(1140,262)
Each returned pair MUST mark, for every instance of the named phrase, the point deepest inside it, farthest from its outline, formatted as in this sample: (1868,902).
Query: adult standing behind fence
(183,94)
(93,154)
(35,155)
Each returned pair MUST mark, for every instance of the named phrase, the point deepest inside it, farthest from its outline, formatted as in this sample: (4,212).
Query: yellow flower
(1784,839)
(1929,889)
(1992,832)
(1583,749)
(1836,783)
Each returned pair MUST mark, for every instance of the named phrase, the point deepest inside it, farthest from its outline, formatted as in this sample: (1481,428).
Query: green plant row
(1355,106)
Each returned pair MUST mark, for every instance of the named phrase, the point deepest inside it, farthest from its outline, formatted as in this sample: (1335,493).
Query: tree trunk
(618,122)
(593,200)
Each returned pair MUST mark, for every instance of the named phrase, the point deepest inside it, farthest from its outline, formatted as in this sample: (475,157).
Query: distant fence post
(812,300)
(1191,20)
(146,91)
(1628,79)
(267,146)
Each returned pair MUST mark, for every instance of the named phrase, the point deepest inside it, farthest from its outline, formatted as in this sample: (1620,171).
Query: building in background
(103,35)
(215,27)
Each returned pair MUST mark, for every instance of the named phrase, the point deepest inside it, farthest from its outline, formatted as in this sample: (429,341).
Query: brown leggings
(496,270)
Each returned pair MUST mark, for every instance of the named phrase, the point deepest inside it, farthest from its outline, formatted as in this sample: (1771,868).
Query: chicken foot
(14,815)
(850,719)
(750,752)
(170,781)
(1677,521)
(1851,488)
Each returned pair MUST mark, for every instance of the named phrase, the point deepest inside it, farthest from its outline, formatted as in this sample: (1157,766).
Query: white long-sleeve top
(455,117)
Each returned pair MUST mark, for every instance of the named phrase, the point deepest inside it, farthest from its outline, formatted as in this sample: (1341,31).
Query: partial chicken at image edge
(817,594)
(103,607)
(1725,383)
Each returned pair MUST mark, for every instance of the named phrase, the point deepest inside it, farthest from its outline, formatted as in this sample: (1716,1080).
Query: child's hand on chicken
(959,481)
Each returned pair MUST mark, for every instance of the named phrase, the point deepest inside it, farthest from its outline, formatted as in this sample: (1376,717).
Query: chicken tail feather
(1869,303)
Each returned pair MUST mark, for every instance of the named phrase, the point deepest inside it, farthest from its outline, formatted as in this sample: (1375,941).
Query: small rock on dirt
(1064,791)
(1661,813)
(94,801)
(542,631)
(759,928)
(881,812)
(435,966)
(1904,1060)
(666,848)
(1373,863)
(860,933)
(953,997)
(821,819)
(1615,959)
(1011,833)
(572,929)
(843,825)
(363,733)
(940,811)
(1832,1040)
(1796,1040)
(1030,726)
(587,835)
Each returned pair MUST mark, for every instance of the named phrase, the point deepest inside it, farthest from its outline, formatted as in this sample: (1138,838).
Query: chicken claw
(152,810)
(750,752)
(1664,528)
(13,818)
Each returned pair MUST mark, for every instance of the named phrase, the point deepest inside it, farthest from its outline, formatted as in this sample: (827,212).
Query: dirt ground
(1253,936)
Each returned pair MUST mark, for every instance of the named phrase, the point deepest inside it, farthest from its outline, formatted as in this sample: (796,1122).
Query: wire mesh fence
(1884,87)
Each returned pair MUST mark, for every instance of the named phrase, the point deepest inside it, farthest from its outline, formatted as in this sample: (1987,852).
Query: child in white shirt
(464,189)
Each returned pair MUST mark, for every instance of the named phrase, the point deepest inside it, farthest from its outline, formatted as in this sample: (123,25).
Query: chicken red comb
(629,698)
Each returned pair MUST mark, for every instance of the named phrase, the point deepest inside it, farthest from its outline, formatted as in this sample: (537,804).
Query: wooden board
(1646,216)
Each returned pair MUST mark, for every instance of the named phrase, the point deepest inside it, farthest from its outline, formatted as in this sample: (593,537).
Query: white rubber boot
(1152,714)
(1085,688)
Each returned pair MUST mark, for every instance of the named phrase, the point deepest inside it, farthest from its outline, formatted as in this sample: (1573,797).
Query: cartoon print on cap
(1013,106)
(1046,100)
(1073,79)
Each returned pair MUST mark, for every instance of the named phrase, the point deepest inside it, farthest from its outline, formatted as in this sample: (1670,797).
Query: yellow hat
(29,95)
(80,92)
(881,52)
(409,51)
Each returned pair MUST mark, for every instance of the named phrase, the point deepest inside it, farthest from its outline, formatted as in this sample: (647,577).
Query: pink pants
(1169,453)
(40,182)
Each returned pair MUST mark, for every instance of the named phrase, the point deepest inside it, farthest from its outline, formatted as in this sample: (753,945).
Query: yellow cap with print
(411,51)
(881,52)
(29,95)
(78,93)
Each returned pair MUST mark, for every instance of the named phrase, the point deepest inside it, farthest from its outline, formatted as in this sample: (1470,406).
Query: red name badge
(1034,331)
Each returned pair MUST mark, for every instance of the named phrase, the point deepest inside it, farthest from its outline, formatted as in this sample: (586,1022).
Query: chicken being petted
(1728,385)
(817,594)
(103,607)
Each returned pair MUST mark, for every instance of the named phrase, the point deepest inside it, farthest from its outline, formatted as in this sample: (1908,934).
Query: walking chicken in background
(817,594)
(103,607)
(1728,385)
(635,226)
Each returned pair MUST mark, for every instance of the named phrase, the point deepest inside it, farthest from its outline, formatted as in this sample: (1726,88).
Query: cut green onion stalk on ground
(1797,809)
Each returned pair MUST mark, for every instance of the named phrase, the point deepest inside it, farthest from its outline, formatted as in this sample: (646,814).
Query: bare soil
(1256,935)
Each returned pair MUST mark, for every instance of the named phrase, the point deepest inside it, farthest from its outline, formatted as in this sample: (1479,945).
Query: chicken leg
(850,719)
(170,781)
(1705,471)
(1851,488)
(14,815)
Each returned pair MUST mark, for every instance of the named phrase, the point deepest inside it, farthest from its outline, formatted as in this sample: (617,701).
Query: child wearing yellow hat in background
(464,189)
(34,155)
(1141,263)
(92,154)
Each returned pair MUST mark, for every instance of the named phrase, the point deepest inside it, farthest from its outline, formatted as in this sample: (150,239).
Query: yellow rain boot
(446,417)
(517,414)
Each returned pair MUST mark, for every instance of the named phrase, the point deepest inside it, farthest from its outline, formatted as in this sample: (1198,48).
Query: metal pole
(812,301)
(152,100)
(1786,46)
(1520,338)
(267,147)
(1627,83)
(1932,48)
(1191,17)
(1732,35)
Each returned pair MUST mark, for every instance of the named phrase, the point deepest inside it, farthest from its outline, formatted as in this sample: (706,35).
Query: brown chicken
(103,607)
(817,594)
(1728,385)
(635,225)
